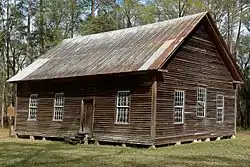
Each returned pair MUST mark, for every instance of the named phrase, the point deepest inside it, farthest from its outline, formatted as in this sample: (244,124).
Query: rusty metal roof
(132,49)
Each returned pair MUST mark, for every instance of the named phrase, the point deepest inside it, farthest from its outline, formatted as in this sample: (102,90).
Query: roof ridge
(134,28)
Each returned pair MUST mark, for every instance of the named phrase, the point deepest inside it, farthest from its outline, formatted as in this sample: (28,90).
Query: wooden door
(87,116)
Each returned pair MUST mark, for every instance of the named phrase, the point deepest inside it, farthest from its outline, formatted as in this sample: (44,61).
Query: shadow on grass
(51,154)
(87,160)
(207,160)
(16,144)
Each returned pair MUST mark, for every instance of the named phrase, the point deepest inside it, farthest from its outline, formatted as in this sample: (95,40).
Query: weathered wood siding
(104,90)
(196,62)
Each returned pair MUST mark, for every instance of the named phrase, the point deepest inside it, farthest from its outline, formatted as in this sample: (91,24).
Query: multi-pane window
(179,101)
(201,101)
(58,107)
(122,108)
(219,108)
(32,107)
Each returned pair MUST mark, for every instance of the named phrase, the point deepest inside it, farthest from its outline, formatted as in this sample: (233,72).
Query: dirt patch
(4,133)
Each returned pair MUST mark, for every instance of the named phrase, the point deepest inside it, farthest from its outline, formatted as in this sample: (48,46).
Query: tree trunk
(92,8)
(238,31)
(73,6)
(41,28)
(129,23)
(28,32)
(3,104)
(229,28)
(8,39)
(179,8)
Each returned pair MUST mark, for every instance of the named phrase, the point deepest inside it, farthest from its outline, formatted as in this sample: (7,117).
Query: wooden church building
(160,83)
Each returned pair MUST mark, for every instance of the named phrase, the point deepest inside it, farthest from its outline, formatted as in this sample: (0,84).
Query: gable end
(207,31)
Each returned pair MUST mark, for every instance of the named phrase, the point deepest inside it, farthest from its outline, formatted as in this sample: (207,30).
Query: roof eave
(70,77)
(234,69)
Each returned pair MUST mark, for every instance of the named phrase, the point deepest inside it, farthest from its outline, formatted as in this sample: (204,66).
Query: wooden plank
(15,113)
(153,109)
(235,108)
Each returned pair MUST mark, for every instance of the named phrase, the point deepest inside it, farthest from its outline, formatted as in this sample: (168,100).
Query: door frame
(82,113)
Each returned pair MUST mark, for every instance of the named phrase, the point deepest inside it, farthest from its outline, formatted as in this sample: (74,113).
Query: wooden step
(77,138)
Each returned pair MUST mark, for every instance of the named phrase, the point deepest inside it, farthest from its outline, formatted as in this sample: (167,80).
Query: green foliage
(146,14)
(101,23)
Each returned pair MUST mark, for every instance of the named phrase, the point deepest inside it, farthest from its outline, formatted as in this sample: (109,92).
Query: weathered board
(196,63)
(103,90)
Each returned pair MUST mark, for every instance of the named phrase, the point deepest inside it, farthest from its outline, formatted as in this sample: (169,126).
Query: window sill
(179,123)
(54,120)
(117,123)
(219,122)
(200,116)
(31,119)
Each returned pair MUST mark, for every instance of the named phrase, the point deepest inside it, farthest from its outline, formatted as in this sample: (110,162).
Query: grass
(21,152)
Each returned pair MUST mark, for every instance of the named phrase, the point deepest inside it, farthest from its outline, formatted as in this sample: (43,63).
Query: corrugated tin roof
(132,49)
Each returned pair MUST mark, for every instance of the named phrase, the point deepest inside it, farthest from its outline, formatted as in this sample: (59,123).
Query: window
(32,107)
(179,101)
(58,107)
(201,101)
(220,108)
(122,108)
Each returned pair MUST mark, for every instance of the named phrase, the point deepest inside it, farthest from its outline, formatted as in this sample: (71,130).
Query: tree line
(28,28)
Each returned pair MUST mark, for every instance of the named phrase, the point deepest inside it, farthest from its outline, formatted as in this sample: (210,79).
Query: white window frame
(58,106)
(220,107)
(126,106)
(199,101)
(33,107)
(179,106)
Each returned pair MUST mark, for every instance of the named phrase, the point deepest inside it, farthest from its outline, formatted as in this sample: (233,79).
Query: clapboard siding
(104,91)
(196,62)
(151,116)
(44,126)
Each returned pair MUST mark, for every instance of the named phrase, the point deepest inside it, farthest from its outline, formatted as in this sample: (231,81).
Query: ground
(24,152)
